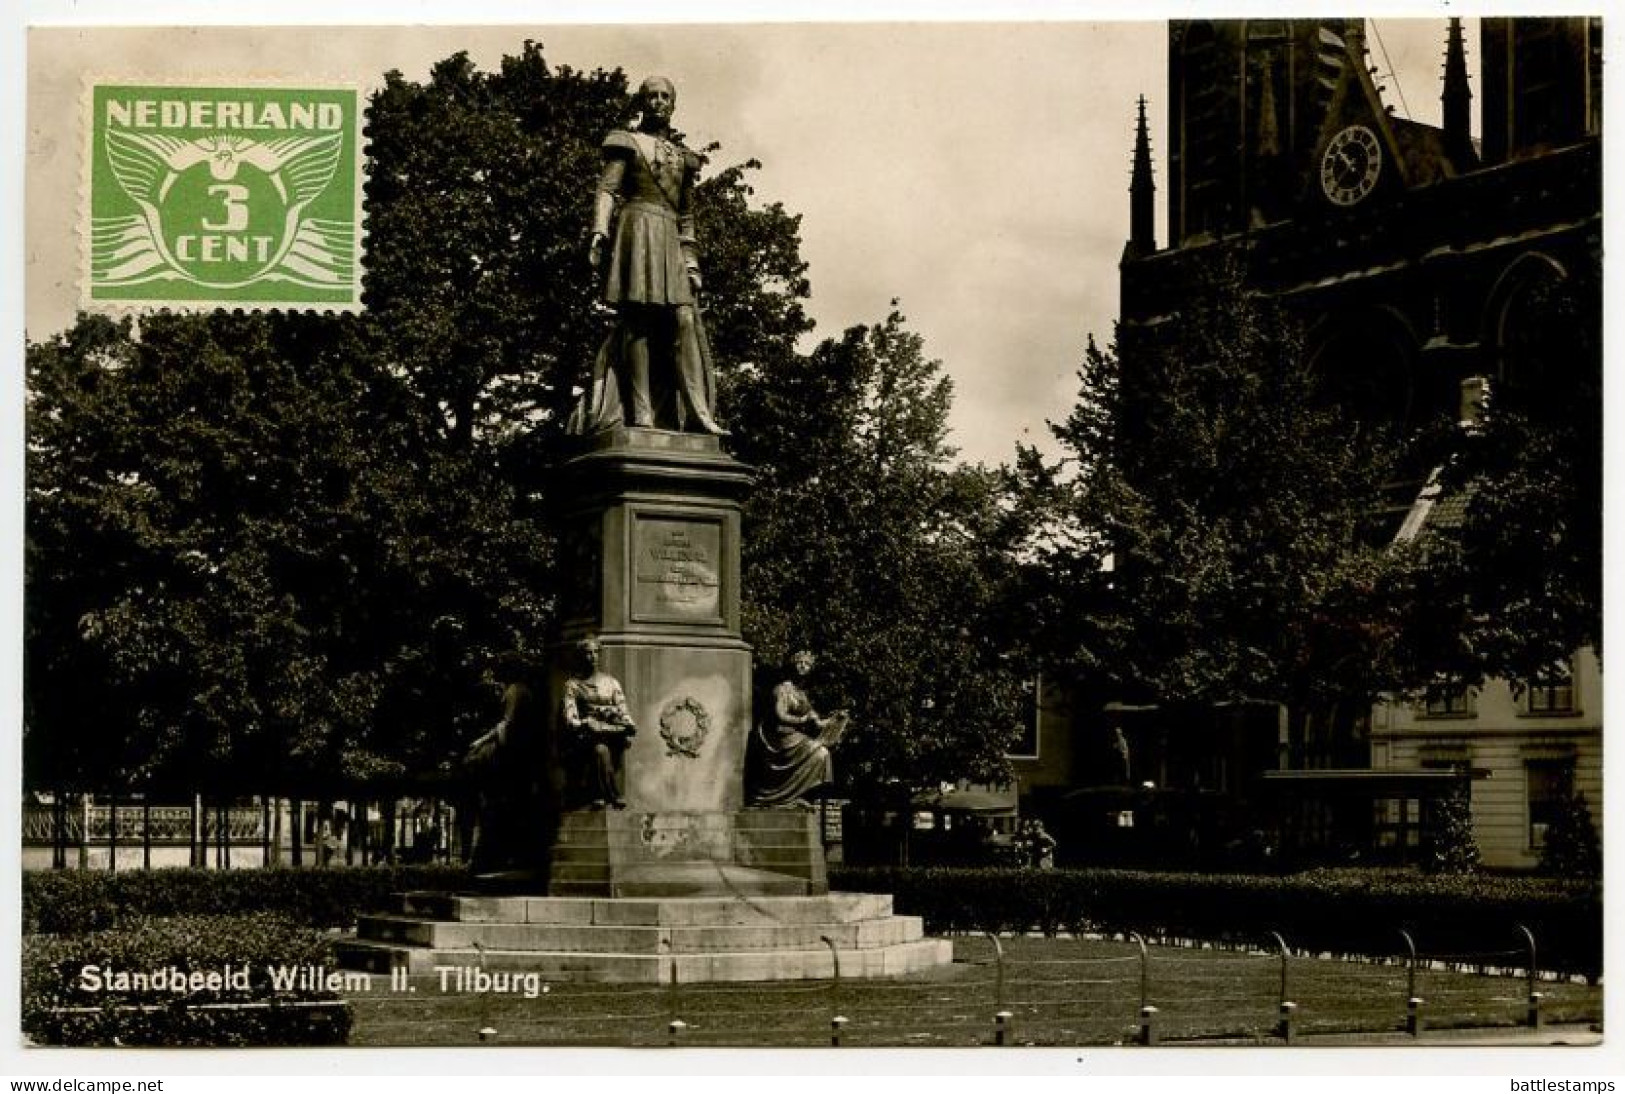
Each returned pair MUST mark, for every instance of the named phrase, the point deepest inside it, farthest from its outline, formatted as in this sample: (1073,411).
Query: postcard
(1009,535)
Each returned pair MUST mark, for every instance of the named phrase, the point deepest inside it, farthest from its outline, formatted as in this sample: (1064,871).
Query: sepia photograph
(1002,535)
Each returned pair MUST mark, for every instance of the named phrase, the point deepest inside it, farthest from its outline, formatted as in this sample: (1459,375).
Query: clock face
(1349,169)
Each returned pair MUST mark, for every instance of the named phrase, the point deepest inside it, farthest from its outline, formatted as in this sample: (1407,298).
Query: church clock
(1350,166)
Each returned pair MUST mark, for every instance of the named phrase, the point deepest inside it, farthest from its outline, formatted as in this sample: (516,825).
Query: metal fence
(134,824)
(1012,991)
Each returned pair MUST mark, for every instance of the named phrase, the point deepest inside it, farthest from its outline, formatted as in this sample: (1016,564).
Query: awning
(1371,782)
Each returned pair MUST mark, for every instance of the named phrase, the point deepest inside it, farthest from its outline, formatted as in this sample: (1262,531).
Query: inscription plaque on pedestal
(676,570)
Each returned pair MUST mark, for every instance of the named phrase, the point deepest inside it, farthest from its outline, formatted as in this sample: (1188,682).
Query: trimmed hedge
(1336,911)
(74,901)
(243,1006)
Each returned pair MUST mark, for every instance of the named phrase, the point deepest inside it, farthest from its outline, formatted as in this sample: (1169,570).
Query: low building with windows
(1527,745)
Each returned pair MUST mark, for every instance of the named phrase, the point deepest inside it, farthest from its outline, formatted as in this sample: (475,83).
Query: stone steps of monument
(600,841)
(440,935)
(672,879)
(803,963)
(755,855)
(763,820)
(700,911)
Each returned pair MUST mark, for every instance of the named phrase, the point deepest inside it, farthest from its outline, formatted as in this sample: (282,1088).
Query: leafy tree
(1453,848)
(1209,536)
(1572,848)
(864,543)
(1516,582)
(243,556)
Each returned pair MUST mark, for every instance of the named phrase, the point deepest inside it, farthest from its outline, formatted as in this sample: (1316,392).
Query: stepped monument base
(684,881)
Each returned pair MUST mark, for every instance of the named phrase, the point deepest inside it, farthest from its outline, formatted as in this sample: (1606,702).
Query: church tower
(1456,98)
(1246,100)
(1548,93)
(1142,191)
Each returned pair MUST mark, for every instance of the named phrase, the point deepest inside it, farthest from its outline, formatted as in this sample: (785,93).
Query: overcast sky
(976,172)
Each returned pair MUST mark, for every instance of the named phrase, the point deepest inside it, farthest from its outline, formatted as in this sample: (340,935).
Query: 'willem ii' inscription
(676,570)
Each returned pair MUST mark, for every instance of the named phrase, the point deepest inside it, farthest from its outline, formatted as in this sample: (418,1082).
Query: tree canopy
(1516,581)
(1222,527)
(1209,535)
(867,545)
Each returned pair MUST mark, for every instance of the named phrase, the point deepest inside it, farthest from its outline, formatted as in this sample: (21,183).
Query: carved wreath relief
(684,724)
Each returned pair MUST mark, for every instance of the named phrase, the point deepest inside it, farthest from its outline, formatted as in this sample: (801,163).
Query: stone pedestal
(751,852)
(650,534)
(650,541)
(684,884)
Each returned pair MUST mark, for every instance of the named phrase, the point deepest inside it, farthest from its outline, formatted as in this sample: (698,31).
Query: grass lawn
(1059,992)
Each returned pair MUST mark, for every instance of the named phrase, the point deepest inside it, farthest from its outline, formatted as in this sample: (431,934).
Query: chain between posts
(998,957)
(1281,945)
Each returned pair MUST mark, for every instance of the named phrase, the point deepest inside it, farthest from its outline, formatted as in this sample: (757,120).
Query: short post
(1533,1018)
(1287,1028)
(1145,972)
(1001,1028)
(1148,1026)
(1288,1009)
(836,1024)
(835,984)
(674,1024)
(1413,1016)
(486,1031)
(1413,1002)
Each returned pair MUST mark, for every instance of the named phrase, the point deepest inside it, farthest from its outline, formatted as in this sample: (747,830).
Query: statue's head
(657,97)
(803,661)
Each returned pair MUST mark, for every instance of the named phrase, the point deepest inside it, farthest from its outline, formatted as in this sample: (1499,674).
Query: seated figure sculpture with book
(792,746)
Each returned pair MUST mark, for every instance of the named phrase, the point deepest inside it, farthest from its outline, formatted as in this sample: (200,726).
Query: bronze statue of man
(654,369)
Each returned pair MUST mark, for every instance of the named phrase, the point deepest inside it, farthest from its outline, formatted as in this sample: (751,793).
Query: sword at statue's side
(708,368)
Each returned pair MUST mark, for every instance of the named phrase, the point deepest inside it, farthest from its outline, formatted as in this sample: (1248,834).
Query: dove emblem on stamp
(224,197)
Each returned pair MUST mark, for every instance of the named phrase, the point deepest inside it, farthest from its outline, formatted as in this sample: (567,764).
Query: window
(1552,692)
(1448,699)
(1550,783)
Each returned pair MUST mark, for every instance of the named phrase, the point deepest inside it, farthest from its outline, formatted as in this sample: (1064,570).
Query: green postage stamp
(231,197)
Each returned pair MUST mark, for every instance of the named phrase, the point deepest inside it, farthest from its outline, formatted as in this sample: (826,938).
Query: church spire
(1457,99)
(1142,193)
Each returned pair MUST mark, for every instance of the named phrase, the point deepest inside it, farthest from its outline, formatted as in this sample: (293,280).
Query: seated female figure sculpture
(791,753)
(596,718)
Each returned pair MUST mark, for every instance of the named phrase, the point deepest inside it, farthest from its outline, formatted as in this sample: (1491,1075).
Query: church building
(1413,255)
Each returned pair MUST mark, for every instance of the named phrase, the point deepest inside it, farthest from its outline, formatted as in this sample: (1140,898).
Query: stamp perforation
(307,246)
